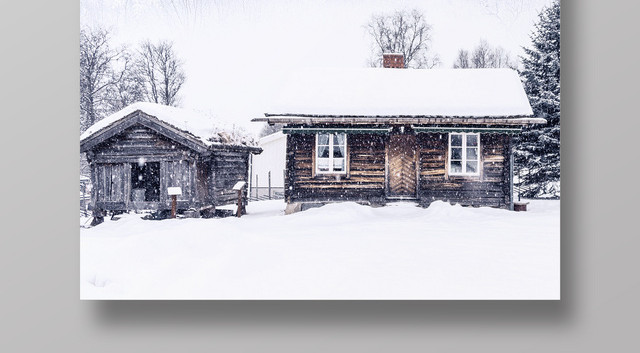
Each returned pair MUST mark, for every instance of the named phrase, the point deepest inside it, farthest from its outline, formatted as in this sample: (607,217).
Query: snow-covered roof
(271,137)
(402,92)
(202,127)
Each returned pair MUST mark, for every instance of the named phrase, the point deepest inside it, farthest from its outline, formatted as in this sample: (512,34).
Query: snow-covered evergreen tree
(537,150)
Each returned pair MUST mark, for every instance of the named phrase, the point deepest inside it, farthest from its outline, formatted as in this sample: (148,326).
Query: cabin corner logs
(133,169)
(400,165)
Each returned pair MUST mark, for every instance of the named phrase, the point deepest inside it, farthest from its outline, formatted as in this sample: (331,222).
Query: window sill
(331,176)
(464,176)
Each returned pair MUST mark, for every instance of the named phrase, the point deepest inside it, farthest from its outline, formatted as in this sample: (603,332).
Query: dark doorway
(145,180)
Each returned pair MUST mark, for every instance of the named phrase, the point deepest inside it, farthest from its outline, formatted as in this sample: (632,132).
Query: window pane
(323,152)
(456,167)
(338,151)
(338,139)
(456,140)
(472,140)
(323,164)
(472,154)
(323,139)
(472,167)
(338,164)
(456,153)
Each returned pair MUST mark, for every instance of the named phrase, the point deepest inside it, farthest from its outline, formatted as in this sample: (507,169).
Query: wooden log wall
(227,168)
(366,171)
(112,159)
(180,173)
(111,182)
(139,141)
(203,180)
(490,188)
(365,177)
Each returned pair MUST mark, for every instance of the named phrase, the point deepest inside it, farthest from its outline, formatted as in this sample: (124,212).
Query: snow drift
(338,251)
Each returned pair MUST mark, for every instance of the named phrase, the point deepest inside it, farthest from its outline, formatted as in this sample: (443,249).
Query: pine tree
(537,150)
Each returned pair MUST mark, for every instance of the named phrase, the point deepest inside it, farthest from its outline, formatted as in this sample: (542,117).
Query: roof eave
(150,121)
(235,148)
(398,119)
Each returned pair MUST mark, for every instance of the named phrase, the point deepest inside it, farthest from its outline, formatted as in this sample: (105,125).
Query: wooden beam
(400,119)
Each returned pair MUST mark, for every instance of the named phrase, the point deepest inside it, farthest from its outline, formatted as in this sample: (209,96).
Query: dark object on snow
(222,213)
(191,214)
(174,205)
(96,220)
(158,215)
(239,187)
(520,206)
(115,214)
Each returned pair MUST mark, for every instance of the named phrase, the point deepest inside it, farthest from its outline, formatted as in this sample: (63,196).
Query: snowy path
(339,251)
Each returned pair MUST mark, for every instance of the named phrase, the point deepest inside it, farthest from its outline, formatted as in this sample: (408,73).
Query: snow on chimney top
(393,60)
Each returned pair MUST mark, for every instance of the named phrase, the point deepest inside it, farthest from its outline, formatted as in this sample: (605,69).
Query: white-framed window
(331,152)
(464,153)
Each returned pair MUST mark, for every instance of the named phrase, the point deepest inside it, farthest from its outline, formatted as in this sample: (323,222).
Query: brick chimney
(393,60)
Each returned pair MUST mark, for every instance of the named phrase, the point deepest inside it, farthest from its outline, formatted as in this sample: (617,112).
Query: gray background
(40,238)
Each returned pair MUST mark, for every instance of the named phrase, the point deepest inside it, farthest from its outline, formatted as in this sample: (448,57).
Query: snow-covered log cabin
(137,153)
(379,134)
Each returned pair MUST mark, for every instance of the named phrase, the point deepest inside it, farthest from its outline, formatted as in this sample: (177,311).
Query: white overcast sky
(236,53)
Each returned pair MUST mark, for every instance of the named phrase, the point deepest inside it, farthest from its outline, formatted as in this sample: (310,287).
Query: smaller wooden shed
(136,154)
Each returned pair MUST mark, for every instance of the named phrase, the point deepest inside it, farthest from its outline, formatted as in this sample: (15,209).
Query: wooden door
(111,183)
(401,175)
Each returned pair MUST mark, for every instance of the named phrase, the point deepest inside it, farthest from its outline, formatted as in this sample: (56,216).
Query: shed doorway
(145,181)
(401,159)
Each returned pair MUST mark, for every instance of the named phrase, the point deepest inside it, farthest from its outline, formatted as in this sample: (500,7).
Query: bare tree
(146,67)
(481,56)
(161,71)
(502,59)
(128,89)
(404,32)
(462,61)
(484,56)
(97,74)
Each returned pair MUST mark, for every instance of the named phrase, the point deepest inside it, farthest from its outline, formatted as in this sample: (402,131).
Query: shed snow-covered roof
(203,128)
(402,92)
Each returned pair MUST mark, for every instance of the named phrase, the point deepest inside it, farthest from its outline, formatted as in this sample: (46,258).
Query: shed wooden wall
(139,141)
(111,184)
(227,168)
(180,173)
(111,168)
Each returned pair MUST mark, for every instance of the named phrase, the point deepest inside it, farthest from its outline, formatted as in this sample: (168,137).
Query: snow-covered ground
(338,251)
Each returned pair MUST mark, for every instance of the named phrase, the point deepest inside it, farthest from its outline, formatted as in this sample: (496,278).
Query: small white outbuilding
(268,168)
